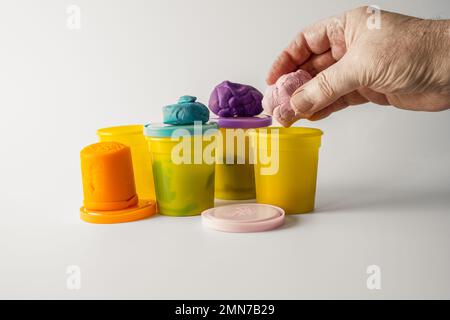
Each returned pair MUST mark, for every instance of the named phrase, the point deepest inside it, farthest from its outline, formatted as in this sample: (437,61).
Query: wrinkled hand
(405,62)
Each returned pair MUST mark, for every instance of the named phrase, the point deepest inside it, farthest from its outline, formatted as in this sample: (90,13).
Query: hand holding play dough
(230,99)
(277,97)
(369,55)
(186,111)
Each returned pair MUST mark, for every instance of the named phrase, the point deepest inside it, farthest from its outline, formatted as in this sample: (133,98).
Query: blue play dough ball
(186,111)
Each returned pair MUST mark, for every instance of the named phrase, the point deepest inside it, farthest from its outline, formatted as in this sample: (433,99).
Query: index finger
(313,40)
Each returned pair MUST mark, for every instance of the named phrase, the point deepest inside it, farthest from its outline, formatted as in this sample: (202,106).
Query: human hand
(404,63)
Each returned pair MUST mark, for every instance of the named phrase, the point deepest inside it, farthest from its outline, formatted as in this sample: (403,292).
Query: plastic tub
(236,180)
(293,185)
(182,188)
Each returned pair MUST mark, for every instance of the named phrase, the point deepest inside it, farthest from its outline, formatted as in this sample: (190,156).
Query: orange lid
(144,209)
(108,185)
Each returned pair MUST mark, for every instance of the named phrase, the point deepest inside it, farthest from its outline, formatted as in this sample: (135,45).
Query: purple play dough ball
(230,99)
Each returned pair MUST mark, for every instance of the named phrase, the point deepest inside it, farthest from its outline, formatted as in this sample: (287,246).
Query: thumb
(325,88)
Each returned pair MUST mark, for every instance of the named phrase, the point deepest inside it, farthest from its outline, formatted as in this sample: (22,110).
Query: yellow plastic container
(182,189)
(236,180)
(293,186)
(133,137)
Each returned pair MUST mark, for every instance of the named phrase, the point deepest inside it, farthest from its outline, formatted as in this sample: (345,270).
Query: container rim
(121,130)
(292,132)
(161,130)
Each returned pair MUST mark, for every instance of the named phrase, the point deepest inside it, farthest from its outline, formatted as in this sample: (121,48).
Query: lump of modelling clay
(277,97)
(186,111)
(230,99)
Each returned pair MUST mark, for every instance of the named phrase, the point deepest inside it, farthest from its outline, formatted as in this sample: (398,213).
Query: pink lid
(247,217)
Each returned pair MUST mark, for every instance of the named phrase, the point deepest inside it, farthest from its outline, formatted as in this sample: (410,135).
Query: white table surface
(383,193)
(319,255)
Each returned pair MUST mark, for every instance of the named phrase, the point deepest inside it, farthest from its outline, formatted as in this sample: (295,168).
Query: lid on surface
(245,122)
(248,217)
(166,130)
(144,209)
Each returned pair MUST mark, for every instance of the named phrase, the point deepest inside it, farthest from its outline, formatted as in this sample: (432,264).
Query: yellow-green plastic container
(293,185)
(236,180)
(182,188)
(133,137)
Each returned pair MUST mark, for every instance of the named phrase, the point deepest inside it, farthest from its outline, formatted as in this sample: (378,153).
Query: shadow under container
(288,180)
(133,137)
(183,162)
(235,178)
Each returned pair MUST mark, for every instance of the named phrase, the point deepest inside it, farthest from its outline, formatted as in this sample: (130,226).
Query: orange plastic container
(108,185)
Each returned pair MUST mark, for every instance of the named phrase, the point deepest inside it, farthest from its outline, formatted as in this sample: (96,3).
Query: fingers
(313,40)
(373,96)
(318,63)
(328,86)
(360,96)
(335,106)
(351,99)
(291,58)
(286,116)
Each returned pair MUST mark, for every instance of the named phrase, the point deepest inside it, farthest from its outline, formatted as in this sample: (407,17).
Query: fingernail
(284,122)
(300,103)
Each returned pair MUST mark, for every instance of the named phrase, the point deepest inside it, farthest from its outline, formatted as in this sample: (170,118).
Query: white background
(383,188)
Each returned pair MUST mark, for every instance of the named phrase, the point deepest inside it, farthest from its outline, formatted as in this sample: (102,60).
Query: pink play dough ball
(277,97)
